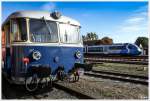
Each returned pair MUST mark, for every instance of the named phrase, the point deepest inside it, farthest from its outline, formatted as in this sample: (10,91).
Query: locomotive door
(7,49)
(3,48)
(105,50)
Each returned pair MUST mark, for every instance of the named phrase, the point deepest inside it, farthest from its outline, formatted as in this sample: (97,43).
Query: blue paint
(128,49)
(66,56)
(124,52)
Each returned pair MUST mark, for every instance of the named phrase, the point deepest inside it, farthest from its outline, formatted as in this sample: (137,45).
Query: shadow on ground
(12,91)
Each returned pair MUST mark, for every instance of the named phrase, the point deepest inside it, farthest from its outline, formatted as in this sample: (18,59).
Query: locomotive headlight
(36,55)
(78,54)
(56,15)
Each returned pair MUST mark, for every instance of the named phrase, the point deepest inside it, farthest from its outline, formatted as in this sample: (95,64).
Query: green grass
(123,68)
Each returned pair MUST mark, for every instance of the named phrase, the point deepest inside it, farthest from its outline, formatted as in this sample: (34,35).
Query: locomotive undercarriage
(41,76)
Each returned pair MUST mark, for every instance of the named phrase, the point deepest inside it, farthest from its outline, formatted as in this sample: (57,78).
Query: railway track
(119,59)
(98,58)
(120,74)
(12,91)
(119,77)
(115,56)
(114,60)
(76,93)
(57,91)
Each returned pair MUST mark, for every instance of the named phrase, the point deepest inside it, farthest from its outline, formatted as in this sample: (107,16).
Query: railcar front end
(40,45)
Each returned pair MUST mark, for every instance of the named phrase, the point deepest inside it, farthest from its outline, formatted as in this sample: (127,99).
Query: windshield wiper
(47,26)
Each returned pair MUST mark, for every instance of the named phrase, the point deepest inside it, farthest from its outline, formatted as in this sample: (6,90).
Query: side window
(63,33)
(69,33)
(19,30)
(116,47)
(101,49)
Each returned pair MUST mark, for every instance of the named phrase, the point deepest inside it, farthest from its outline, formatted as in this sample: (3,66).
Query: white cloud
(133,26)
(48,6)
(134,20)
(136,23)
(131,29)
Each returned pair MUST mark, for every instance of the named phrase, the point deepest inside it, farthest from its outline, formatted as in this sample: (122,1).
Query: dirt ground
(123,68)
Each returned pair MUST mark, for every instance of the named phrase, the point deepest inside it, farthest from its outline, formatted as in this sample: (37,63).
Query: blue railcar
(40,45)
(114,49)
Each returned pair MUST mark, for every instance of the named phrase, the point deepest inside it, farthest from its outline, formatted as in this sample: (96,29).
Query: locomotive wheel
(31,83)
(46,83)
(61,75)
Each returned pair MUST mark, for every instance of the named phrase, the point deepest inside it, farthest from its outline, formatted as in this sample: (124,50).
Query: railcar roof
(40,15)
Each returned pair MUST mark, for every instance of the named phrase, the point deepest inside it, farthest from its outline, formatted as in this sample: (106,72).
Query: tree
(142,41)
(88,37)
(106,40)
(83,37)
(91,36)
(95,36)
(98,42)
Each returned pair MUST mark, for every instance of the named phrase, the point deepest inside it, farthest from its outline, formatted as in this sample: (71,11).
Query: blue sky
(122,21)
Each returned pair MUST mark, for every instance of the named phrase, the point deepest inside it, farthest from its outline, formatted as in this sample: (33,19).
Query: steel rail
(114,56)
(78,94)
(143,82)
(96,61)
(120,74)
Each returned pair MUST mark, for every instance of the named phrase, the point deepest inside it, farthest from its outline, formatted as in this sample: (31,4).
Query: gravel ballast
(108,89)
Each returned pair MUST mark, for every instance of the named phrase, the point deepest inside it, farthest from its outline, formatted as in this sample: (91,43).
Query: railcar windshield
(69,33)
(43,31)
(19,30)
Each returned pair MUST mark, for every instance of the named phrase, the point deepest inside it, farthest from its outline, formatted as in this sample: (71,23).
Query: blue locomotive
(114,49)
(40,45)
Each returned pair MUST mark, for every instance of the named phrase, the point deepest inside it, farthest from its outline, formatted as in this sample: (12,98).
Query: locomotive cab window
(43,31)
(19,30)
(69,33)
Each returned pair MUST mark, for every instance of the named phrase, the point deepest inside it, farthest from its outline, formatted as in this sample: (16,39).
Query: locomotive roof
(40,15)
